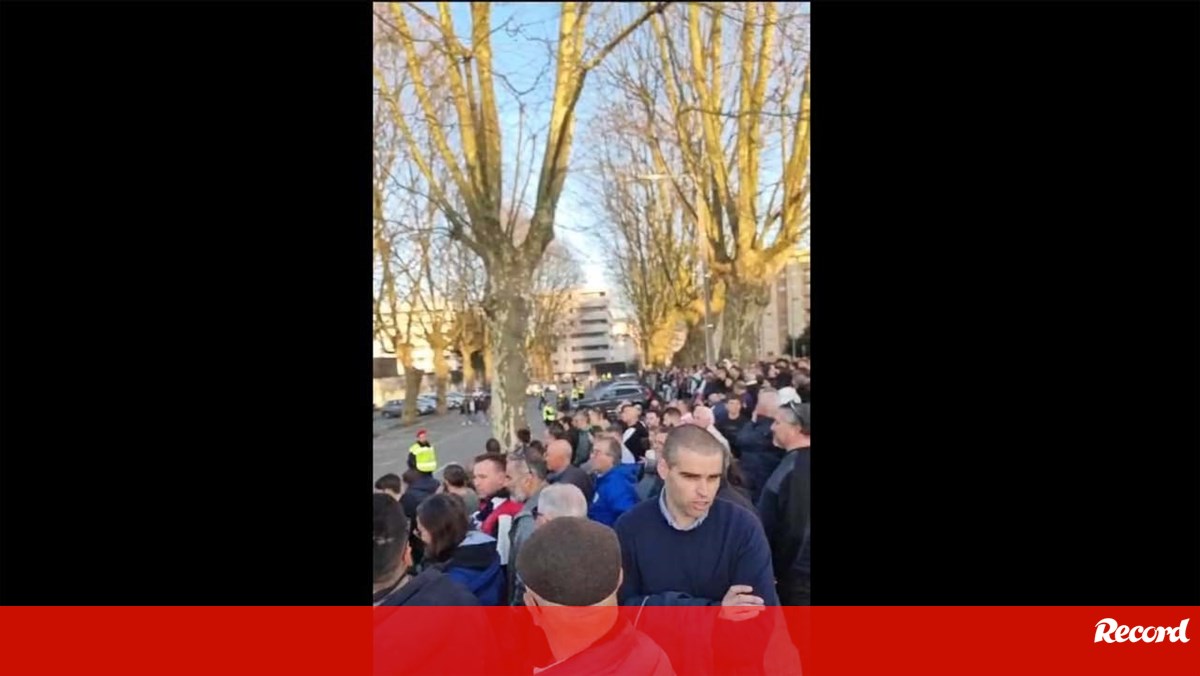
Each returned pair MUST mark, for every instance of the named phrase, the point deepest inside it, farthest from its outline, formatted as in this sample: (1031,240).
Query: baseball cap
(420,432)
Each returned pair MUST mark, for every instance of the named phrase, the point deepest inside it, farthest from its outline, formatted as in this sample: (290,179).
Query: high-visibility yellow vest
(426,457)
(548,413)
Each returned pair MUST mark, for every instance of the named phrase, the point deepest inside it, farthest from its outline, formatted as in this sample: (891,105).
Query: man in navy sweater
(687,548)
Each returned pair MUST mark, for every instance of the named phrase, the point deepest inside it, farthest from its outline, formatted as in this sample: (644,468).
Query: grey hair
(562,500)
(799,415)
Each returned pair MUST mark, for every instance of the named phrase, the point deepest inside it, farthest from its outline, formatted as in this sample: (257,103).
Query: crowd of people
(697,497)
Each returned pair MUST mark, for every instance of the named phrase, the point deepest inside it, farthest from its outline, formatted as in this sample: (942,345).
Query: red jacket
(623,651)
(506,508)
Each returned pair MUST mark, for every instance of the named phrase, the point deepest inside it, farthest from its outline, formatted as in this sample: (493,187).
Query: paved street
(454,441)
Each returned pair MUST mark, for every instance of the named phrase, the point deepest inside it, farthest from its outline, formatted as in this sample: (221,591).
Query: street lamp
(702,242)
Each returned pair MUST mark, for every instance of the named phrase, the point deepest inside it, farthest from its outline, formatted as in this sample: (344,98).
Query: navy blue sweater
(667,567)
(696,567)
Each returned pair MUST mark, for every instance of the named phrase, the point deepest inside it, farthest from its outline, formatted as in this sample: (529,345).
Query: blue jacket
(616,492)
(759,454)
(475,564)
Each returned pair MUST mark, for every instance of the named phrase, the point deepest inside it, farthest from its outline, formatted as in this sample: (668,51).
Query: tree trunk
(441,371)
(489,358)
(468,369)
(508,321)
(692,351)
(412,379)
(742,319)
(412,388)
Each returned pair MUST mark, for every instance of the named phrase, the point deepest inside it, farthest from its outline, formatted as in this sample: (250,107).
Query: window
(588,348)
(384,367)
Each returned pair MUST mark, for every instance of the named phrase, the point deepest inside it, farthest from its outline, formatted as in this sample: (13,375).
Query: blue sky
(521,58)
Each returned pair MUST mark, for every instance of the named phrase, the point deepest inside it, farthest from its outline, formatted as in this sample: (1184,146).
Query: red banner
(816,641)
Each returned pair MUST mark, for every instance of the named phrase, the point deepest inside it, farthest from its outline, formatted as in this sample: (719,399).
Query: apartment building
(787,313)
(590,334)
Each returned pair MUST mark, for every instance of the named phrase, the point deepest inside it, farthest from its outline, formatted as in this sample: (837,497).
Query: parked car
(426,404)
(393,408)
(609,398)
(455,399)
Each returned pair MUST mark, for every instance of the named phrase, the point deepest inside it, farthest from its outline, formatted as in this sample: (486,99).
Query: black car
(609,398)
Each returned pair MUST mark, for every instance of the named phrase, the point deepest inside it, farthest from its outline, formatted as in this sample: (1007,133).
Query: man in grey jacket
(526,476)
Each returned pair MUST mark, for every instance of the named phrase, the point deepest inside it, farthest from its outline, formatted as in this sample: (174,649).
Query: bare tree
(649,239)
(556,276)
(442,66)
(739,124)
(393,325)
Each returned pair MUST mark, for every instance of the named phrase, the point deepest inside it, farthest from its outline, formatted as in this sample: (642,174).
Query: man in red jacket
(494,503)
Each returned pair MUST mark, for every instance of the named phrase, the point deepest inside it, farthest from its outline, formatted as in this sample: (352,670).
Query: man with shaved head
(558,461)
(688,548)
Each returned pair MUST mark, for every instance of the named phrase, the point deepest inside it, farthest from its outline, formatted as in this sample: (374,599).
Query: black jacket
(412,498)
(784,508)
(414,494)
(430,588)
(729,428)
(759,454)
(638,442)
(394,649)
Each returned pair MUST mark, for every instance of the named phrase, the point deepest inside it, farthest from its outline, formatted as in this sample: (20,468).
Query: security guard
(548,413)
(421,455)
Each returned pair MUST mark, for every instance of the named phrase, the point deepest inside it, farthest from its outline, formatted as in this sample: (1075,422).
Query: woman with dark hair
(468,556)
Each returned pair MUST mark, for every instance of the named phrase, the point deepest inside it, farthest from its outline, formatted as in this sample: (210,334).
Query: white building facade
(590,334)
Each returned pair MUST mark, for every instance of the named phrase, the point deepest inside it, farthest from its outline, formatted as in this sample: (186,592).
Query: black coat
(414,494)
(759,455)
(729,428)
(576,476)
(430,588)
